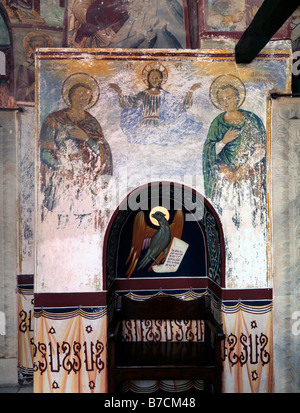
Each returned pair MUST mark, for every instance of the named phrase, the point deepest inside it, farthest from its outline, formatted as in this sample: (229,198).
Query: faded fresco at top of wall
(24,63)
(232,16)
(89,161)
(25,73)
(127,24)
(35,12)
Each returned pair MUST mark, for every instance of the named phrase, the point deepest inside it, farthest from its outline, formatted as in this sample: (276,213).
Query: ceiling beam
(269,18)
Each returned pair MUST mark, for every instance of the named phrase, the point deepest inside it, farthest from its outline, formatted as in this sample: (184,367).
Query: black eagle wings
(157,241)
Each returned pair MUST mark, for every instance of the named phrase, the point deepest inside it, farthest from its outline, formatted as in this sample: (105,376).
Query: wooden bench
(173,360)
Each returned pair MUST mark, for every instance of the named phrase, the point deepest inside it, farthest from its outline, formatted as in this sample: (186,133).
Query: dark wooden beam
(269,18)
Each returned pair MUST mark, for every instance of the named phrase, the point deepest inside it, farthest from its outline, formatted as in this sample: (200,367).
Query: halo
(29,36)
(157,66)
(224,80)
(84,78)
(161,209)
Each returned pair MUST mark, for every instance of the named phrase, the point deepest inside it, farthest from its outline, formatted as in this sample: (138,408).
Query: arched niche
(203,265)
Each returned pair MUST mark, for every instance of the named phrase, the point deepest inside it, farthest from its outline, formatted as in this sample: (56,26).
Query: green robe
(252,132)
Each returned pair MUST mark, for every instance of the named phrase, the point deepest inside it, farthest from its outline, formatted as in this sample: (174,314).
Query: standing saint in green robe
(234,169)
(234,153)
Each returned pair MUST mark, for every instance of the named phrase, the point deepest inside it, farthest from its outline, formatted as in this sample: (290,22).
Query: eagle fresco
(156,241)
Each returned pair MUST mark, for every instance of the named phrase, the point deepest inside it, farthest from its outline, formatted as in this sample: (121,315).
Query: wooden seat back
(156,359)
(163,307)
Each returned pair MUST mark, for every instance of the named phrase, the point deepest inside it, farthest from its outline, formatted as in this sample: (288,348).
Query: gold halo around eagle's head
(156,66)
(81,78)
(230,81)
(161,209)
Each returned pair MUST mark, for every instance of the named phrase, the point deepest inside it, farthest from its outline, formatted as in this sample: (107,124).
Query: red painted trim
(25,279)
(194,283)
(146,284)
(99,299)
(87,299)
(214,288)
(186,24)
(67,54)
(247,294)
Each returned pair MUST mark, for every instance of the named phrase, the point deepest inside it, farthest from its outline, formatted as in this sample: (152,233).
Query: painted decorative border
(25,292)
